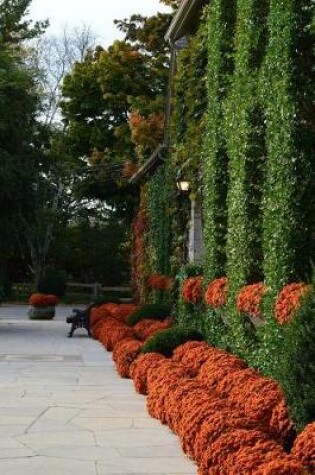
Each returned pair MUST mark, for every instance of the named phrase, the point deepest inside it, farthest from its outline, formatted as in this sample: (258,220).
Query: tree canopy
(113,106)
(19,104)
(65,147)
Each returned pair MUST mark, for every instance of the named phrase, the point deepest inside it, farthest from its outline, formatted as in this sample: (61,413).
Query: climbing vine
(286,225)
(245,144)
(220,37)
(190,104)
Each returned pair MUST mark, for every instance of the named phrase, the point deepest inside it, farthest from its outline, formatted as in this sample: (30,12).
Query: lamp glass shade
(183,185)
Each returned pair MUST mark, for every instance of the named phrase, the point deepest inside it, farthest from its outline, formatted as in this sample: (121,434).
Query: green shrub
(166,341)
(156,311)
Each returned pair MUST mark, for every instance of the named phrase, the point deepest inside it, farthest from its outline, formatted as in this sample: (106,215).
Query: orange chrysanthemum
(215,295)
(140,367)
(43,300)
(304,448)
(192,290)
(289,301)
(124,353)
(160,282)
(249,299)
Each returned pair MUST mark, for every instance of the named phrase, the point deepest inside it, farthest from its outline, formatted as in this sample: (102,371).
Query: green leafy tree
(92,248)
(14,27)
(102,93)
(19,104)
(54,203)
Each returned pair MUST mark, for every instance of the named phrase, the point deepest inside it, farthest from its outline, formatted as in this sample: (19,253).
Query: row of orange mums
(249,299)
(229,418)
(235,425)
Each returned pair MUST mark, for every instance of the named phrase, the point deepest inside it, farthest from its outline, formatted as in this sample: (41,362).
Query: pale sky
(98,14)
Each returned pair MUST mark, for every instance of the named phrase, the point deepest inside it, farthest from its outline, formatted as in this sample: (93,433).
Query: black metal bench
(79,319)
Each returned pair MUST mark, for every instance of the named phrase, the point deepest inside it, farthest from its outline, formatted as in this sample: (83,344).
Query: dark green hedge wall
(244,128)
(214,159)
(285,91)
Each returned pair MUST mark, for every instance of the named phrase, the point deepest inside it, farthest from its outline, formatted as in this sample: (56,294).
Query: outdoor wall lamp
(181,182)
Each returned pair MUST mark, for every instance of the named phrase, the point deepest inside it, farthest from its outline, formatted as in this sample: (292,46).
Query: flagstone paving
(65,411)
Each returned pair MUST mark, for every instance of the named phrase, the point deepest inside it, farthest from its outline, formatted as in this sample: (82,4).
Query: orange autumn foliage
(147,131)
(129,169)
(138,255)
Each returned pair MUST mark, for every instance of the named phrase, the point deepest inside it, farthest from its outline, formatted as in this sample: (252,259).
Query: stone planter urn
(41,313)
(42,306)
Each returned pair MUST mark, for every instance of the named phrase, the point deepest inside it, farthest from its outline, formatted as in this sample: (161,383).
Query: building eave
(149,166)
(185,19)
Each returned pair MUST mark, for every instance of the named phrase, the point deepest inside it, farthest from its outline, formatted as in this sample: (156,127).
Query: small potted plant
(42,306)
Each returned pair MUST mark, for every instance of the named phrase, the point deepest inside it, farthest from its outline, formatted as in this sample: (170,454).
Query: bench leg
(73,327)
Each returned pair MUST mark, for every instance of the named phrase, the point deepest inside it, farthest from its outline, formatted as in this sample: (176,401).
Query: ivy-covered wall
(242,127)
(214,157)
(160,193)
(257,165)
(242,131)
(285,91)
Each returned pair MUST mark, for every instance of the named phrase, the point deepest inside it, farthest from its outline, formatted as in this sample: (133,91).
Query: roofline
(148,168)
(177,26)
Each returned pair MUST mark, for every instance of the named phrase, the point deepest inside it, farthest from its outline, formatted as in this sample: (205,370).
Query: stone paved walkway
(65,411)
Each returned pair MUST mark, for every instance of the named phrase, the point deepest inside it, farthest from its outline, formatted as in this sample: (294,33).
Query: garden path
(65,411)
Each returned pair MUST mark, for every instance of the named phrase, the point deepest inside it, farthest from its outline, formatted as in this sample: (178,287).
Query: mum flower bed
(249,299)
(230,419)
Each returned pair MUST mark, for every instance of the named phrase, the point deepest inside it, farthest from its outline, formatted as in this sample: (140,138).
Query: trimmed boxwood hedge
(156,311)
(166,341)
